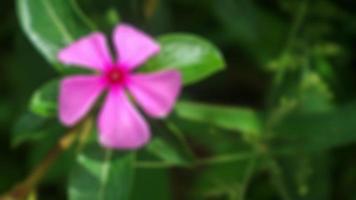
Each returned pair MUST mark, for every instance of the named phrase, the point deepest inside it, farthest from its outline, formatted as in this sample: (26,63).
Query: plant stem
(23,189)
(275,170)
(297,24)
(174,129)
(225,158)
(291,40)
(248,175)
(220,159)
(154,164)
(277,174)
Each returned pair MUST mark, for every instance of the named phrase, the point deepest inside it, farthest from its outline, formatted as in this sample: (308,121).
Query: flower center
(116,76)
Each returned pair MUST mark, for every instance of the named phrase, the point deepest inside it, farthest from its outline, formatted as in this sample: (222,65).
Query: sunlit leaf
(195,57)
(233,118)
(44,100)
(51,25)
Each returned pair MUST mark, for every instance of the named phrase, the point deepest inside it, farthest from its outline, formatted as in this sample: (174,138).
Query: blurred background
(282,56)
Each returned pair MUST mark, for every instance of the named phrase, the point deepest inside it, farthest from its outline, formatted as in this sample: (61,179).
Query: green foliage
(320,131)
(227,179)
(168,153)
(152,184)
(31,127)
(278,76)
(44,100)
(307,176)
(239,119)
(195,57)
(101,174)
(51,25)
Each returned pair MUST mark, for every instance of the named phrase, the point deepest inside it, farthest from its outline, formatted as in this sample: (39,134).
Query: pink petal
(90,52)
(77,95)
(156,92)
(133,46)
(120,125)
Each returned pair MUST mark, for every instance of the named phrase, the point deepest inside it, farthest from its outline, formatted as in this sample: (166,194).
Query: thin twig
(225,158)
(291,40)
(21,190)
(248,175)
(177,132)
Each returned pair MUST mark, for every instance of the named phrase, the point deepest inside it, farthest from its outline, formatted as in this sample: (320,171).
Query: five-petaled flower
(120,125)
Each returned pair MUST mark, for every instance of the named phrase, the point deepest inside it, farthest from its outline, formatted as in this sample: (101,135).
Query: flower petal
(89,52)
(156,92)
(120,125)
(77,95)
(133,46)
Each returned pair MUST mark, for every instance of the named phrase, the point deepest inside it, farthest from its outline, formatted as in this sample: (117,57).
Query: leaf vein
(104,174)
(57,22)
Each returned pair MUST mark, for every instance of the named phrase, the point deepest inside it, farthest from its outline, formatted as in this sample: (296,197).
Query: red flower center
(116,76)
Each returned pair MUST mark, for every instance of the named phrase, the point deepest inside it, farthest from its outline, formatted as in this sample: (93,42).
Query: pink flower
(120,125)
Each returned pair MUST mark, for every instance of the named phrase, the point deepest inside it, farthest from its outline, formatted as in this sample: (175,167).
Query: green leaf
(166,148)
(31,127)
(227,179)
(51,25)
(317,131)
(233,118)
(102,174)
(230,146)
(39,150)
(195,57)
(152,184)
(315,95)
(168,152)
(44,100)
(306,176)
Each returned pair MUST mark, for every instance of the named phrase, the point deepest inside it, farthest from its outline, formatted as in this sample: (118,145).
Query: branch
(21,190)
